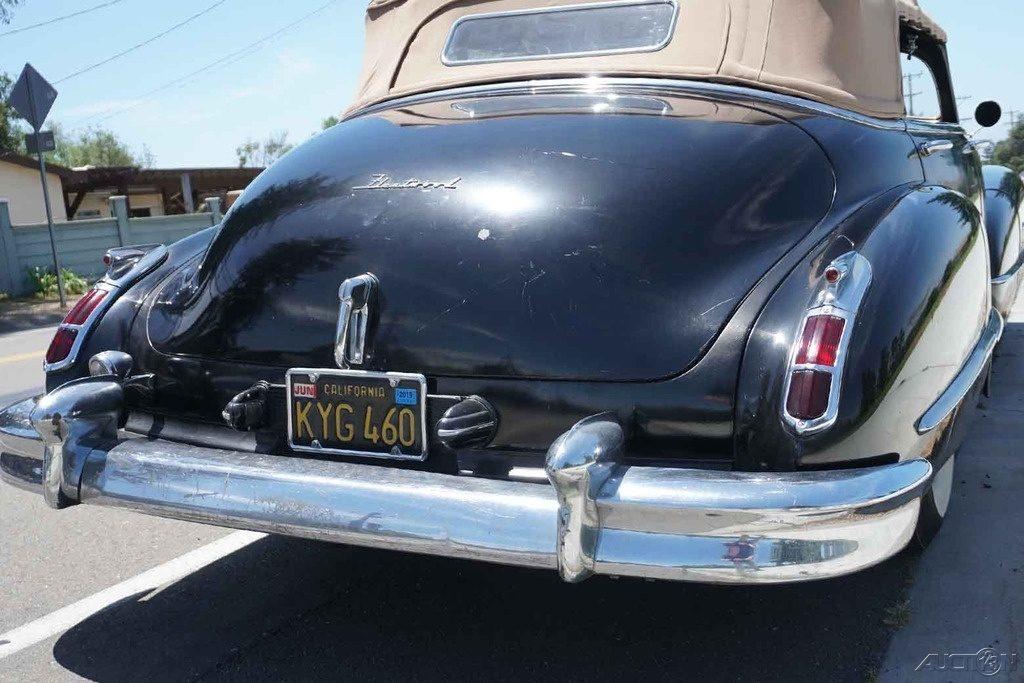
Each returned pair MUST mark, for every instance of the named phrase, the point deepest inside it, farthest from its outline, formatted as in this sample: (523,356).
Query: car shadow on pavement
(292,609)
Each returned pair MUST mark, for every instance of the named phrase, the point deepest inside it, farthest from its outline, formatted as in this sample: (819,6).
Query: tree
(253,154)
(1010,152)
(329,122)
(95,147)
(6,7)
(10,129)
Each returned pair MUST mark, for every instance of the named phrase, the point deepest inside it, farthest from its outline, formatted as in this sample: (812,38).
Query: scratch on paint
(472,293)
(529,299)
(443,314)
(720,303)
(570,155)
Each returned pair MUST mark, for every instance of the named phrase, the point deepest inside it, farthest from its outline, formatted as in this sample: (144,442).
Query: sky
(294,79)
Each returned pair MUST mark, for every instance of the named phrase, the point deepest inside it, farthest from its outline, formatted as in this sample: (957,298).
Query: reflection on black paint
(575,246)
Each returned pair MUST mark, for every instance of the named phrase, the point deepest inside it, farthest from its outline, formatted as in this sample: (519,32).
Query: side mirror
(988,114)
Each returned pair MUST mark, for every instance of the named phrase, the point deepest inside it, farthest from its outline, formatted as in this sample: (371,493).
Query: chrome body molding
(969,373)
(597,84)
(1005,287)
(1009,275)
(841,299)
(598,516)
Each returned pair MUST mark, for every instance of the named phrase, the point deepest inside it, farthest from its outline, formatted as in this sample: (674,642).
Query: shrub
(44,281)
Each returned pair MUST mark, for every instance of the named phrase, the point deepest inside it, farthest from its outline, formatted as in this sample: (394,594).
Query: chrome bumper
(599,516)
(21,449)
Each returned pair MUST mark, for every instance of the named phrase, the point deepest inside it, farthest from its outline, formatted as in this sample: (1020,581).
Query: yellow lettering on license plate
(337,422)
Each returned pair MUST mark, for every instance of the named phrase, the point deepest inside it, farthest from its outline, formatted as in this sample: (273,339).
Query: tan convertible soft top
(841,52)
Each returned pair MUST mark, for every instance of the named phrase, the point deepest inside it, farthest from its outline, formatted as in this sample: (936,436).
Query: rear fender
(1004,192)
(924,311)
(113,329)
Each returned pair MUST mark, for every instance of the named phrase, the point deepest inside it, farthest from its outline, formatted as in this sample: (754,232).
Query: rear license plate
(352,412)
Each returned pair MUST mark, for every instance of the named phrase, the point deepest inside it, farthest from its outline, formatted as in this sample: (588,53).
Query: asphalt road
(243,606)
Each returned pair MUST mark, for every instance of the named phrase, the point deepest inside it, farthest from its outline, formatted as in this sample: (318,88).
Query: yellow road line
(22,356)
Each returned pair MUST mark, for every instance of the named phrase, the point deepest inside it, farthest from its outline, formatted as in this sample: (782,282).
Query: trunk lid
(581,237)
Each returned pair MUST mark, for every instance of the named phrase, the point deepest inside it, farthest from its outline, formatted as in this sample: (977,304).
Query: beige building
(82,193)
(150,191)
(144,202)
(20,186)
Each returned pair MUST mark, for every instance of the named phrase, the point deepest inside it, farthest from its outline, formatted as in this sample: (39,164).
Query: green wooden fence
(81,244)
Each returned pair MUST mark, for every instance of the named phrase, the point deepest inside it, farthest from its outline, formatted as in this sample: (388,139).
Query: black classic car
(653,288)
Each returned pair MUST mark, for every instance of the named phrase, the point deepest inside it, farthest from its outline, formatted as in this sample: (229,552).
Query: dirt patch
(27,314)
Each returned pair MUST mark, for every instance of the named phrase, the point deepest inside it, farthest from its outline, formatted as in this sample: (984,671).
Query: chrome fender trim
(1010,274)
(1006,286)
(954,394)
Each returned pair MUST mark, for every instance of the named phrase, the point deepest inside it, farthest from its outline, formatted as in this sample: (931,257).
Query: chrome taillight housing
(72,330)
(815,373)
(126,266)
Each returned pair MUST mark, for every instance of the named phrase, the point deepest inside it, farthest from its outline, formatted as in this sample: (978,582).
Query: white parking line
(61,620)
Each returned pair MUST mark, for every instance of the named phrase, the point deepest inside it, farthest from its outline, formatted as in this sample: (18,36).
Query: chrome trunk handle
(357,297)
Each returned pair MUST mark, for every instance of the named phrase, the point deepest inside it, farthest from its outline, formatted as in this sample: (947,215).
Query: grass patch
(44,282)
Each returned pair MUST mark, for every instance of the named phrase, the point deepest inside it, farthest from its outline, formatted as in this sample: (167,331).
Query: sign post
(33,97)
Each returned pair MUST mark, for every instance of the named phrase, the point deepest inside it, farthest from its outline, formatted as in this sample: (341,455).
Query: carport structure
(181,190)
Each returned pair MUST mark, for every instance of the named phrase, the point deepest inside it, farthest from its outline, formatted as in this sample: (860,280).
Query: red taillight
(60,347)
(819,344)
(819,353)
(815,365)
(80,312)
(808,394)
(64,341)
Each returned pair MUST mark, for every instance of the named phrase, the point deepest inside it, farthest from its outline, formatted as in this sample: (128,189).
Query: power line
(55,20)
(227,59)
(910,94)
(143,43)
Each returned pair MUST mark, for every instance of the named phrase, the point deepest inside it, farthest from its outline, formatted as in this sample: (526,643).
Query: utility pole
(909,91)
(959,101)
